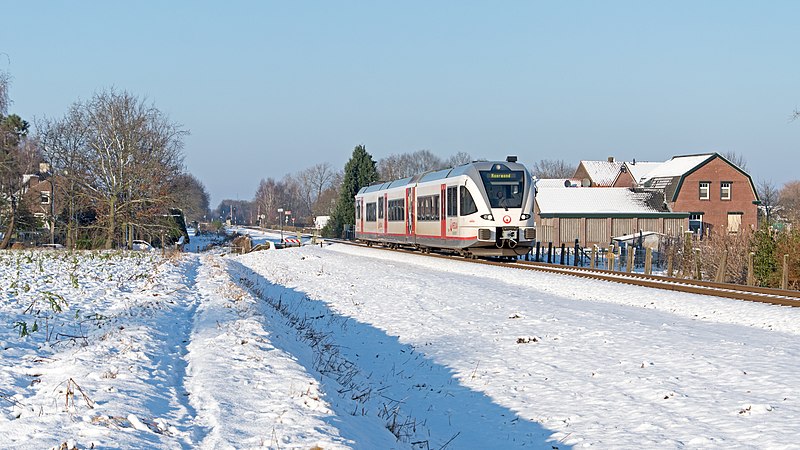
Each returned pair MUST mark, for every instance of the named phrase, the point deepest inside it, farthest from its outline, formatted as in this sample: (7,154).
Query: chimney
(610,159)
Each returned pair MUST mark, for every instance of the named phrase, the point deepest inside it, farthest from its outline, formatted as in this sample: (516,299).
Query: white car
(142,246)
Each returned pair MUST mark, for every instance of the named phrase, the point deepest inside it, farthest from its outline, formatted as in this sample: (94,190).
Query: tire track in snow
(247,392)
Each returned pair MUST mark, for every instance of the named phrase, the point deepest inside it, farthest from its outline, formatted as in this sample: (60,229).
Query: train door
(443,211)
(410,215)
(386,213)
(452,211)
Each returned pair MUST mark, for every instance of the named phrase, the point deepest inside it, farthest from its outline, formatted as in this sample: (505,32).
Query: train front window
(504,188)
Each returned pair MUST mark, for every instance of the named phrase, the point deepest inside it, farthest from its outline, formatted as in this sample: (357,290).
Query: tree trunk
(11,224)
(9,232)
(112,224)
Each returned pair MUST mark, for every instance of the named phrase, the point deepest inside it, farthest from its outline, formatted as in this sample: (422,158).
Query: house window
(45,197)
(695,221)
(705,189)
(734,222)
(725,190)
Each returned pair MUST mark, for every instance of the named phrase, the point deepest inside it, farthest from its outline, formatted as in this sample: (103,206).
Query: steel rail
(758,294)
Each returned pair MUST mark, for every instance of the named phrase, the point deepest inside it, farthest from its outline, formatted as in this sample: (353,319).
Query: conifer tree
(358,172)
(765,260)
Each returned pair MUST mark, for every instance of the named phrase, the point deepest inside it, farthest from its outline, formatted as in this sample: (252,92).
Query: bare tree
(394,167)
(190,195)
(4,100)
(267,201)
(458,159)
(789,201)
(551,168)
(121,156)
(768,195)
(736,158)
(314,180)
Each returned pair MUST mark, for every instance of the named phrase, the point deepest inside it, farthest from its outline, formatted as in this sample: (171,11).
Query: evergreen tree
(358,172)
(765,258)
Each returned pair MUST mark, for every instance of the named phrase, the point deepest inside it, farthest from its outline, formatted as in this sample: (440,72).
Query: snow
(678,166)
(593,201)
(602,173)
(345,347)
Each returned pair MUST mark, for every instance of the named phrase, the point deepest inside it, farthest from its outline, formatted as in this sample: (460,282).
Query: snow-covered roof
(602,173)
(552,183)
(678,166)
(599,201)
(641,170)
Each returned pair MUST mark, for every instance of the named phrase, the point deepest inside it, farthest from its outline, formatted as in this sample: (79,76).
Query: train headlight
(487,217)
(525,217)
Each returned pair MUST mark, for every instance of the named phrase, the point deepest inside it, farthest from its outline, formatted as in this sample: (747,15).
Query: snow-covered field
(345,347)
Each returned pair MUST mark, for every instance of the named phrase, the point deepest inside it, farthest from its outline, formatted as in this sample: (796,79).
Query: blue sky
(270,88)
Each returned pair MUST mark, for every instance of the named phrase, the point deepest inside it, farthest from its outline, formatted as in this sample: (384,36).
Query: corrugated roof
(678,166)
(556,182)
(599,201)
(602,173)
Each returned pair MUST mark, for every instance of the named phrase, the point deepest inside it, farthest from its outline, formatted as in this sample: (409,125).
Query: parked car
(142,246)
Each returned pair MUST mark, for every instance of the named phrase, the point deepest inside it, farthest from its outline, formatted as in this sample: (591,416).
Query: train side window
(452,201)
(396,211)
(371,207)
(428,208)
(380,207)
(358,209)
(468,205)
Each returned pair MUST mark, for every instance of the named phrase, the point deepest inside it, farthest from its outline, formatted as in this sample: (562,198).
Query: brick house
(37,194)
(597,173)
(719,196)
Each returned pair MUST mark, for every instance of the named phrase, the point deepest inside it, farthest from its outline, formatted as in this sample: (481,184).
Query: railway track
(728,290)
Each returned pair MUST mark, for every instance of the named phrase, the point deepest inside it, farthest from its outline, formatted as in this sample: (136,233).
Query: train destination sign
(504,175)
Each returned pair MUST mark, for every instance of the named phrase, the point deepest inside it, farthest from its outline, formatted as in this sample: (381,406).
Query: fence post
(750,274)
(670,271)
(594,254)
(611,256)
(538,250)
(698,275)
(563,248)
(687,252)
(720,278)
(631,254)
(575,260)
(648,261)
(549,253)
(785,277)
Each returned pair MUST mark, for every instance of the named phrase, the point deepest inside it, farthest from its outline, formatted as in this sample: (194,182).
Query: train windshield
(504,188)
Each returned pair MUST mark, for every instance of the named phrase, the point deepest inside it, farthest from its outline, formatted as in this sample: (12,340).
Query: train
(479,209)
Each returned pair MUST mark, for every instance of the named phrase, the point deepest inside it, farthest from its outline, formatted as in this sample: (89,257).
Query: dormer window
(725,190)
(705,190)
(45,197)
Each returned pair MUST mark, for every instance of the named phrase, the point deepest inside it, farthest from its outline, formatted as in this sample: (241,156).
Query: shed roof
(608,201)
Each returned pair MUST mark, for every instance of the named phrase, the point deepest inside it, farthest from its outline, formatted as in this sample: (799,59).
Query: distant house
(633,174)
(718,195)
(598,173)
(596,216)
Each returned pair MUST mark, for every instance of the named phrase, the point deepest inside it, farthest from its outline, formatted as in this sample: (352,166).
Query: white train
(477,209)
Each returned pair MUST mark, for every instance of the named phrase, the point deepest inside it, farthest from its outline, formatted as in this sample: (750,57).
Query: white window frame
(725,190)
(44,195)
(705,190)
